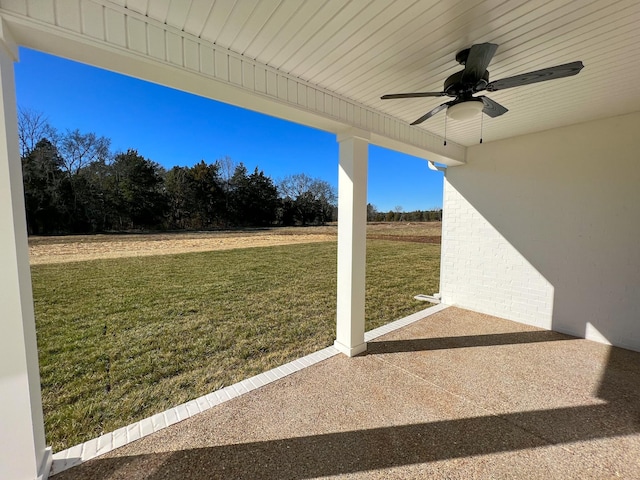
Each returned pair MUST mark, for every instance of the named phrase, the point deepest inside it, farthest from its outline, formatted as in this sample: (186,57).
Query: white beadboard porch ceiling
(362,49)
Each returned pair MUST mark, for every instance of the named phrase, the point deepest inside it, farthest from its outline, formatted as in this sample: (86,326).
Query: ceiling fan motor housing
(454,87)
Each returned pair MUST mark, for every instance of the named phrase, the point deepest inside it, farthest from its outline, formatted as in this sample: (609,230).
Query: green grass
(120,340)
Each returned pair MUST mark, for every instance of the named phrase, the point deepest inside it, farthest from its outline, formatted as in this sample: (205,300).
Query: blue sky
(176,128)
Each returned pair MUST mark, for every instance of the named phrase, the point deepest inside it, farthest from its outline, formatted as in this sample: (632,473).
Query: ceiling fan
(475,78)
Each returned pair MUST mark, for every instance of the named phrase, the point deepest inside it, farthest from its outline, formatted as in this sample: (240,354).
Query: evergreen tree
(180,188)
(136,189)
(208,195)
(253,198)
(43,186)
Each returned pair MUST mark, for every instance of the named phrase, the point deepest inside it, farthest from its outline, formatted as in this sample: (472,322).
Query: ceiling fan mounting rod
(462,55)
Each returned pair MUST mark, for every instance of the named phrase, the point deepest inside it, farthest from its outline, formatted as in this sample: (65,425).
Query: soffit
(362,49)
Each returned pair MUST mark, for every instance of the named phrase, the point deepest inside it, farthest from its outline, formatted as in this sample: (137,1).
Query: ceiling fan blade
(412,95)
(431,113)
(492,108)
(559,71)
(480,56)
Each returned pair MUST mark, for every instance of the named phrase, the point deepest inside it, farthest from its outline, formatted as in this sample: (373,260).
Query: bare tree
(81,149)
(33,126)
(293,186)
(313,199)
(226,168)
(372,212)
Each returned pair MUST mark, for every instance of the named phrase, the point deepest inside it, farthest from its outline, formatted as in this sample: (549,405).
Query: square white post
(352,237)
(23,453)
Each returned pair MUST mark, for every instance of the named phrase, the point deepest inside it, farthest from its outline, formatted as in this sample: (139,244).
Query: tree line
(73,183)
(399,215)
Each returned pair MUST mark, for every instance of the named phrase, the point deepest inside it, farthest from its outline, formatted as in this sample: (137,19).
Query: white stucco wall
(544,229)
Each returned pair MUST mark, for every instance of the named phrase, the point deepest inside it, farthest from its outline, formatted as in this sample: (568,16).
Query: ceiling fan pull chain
(481,125)
(445,130)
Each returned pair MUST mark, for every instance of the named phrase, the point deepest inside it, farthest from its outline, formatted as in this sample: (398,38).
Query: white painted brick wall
(481,271)
(543,229)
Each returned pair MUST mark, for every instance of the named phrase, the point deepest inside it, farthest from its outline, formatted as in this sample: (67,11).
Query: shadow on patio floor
(439,343)
(375,449)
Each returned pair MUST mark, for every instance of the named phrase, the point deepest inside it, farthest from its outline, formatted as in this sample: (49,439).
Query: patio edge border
(82,452)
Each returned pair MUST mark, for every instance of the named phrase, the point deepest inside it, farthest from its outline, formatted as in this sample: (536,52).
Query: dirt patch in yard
(406,238)
(73,248)
(79,248)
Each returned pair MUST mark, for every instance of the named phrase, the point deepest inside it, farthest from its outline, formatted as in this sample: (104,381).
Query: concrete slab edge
(80,453)
(403,322)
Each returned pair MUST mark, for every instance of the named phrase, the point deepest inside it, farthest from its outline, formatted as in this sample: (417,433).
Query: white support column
(23,453)
(352,237)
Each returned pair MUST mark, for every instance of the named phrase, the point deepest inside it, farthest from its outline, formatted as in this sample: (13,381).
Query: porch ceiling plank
(253,24)
(234,26)
(336,32)
(216,21)
(544,36)
(276,24)
(312,30)
(178,12)
(584,32)
(158,10)
(381,35)
(197,17)
(385,13)
(406,38)
(296,22)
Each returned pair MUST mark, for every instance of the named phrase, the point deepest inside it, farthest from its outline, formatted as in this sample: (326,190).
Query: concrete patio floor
(455,395)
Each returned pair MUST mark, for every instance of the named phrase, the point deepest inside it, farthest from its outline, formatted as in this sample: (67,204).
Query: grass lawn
(122,339)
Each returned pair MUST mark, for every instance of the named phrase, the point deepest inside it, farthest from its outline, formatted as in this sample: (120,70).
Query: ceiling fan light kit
(461,86)
(465,110)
